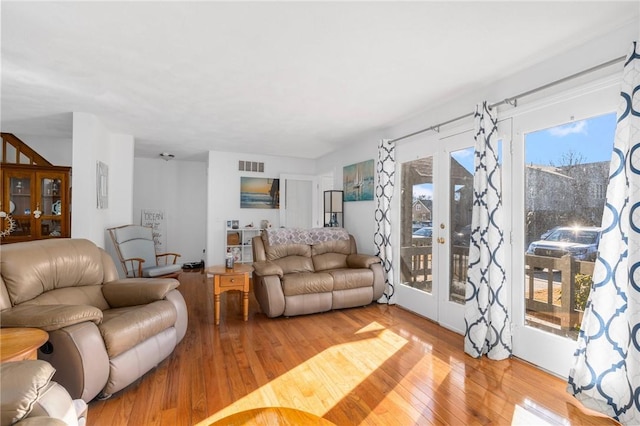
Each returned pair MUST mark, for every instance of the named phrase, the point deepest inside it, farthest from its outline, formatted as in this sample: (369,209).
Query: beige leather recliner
(30,397)
(304,271)
(104,332)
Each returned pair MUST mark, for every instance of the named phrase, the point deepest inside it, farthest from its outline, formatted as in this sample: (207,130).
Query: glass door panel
(416,239)
(566,176)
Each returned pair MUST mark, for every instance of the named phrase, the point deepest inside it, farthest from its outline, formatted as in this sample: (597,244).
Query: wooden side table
(225,279)
(17,344)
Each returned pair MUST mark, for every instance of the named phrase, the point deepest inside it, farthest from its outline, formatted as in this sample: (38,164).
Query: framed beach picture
(259,193)
(357,181)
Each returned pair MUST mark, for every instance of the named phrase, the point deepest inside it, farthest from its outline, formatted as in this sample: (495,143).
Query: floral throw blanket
(277,236)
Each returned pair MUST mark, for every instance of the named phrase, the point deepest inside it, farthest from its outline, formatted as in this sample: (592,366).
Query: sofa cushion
(286,250)
(325,261)
(306,283)
(345,279)
(123,328)
(22,383)
(295,264)
(333,246)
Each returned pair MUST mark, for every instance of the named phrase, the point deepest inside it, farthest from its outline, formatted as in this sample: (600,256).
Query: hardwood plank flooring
(376,365)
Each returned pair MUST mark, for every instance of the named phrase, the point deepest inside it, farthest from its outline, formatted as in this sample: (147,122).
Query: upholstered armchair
(30,397)
(137,253)
(104,332)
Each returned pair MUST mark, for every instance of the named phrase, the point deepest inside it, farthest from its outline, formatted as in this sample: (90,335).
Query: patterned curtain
(606,372)
(385,175)
(486,316)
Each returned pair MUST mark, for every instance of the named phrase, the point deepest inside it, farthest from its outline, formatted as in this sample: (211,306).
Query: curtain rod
(514,99)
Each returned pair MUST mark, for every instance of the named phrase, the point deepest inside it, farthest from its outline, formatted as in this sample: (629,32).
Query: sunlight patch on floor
(321,382)
(533,414)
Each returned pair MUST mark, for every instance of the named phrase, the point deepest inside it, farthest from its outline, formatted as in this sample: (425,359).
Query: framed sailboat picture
(357,181)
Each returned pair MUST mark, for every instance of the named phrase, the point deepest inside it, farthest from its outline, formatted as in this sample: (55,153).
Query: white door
(559,168)
(299,201)
(436,200)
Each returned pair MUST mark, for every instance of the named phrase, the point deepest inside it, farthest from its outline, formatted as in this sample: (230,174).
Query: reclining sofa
(104,332)
(305,271)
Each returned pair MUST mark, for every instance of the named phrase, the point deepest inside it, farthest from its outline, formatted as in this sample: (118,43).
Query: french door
(436,200)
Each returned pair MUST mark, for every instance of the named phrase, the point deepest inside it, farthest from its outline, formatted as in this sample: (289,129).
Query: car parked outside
(463,236)
(424,232)
(579,242)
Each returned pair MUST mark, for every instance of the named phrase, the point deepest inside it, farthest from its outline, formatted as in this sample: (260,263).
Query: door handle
(441,240)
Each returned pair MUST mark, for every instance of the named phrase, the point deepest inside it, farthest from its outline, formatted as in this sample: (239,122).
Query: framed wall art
(259,193)
(358,181)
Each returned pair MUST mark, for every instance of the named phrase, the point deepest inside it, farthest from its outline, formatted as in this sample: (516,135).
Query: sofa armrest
(362,260)
(267,268)
(137,291)
(49,317)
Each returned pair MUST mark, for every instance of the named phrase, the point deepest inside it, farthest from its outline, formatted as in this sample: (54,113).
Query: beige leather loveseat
(104,332)
(304,271)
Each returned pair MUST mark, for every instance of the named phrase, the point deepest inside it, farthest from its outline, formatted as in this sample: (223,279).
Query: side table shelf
(239,242)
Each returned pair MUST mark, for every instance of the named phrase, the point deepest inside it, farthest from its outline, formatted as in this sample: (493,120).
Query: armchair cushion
(49,317)
(124,328)
(22,385)
(157,271)
(137,291)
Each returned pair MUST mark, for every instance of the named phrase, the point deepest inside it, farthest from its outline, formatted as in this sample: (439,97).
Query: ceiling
(297,79)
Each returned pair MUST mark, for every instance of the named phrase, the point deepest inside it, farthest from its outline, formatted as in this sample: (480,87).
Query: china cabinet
(35,202)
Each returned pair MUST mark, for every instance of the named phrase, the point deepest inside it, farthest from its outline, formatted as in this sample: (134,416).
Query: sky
(590,139)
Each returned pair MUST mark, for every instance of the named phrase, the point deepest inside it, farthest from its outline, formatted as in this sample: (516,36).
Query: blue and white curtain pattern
(606,372)
(385,175)
(486,316)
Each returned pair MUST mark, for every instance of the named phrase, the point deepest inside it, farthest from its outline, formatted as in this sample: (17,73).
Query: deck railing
(550,291)
(560,306)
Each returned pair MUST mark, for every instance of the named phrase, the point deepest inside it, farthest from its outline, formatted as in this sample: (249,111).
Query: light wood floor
(377,365)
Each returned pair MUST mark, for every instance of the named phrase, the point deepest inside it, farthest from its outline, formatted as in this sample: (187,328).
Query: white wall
(359,217)
(57,151)
(92,142)
(223,194)
(180,189)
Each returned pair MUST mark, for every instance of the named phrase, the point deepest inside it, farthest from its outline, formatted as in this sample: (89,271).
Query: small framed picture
(229,224)
(235,224)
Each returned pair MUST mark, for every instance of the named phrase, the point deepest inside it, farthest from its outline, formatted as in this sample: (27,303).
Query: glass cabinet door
(51,205)
(20,187)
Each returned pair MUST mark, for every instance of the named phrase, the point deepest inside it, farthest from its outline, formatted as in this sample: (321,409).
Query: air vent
(250,166)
